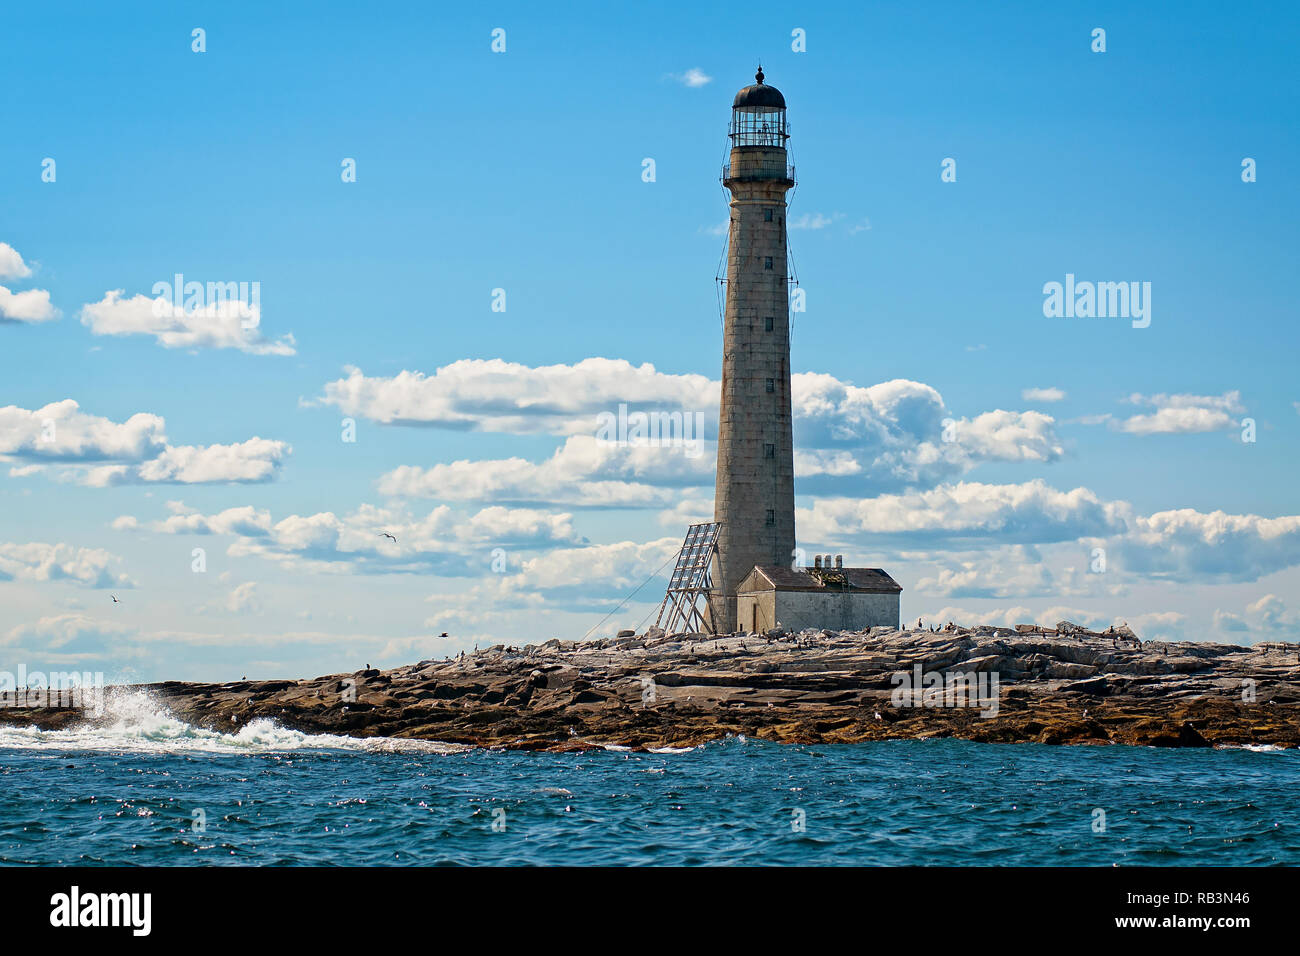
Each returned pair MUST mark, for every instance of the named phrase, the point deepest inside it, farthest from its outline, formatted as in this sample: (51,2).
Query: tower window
(771,517)
(767,324)
(767,215)
(769,451)
(767,262)
(771,385)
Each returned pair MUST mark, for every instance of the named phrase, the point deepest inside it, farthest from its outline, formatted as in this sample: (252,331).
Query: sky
(464,235)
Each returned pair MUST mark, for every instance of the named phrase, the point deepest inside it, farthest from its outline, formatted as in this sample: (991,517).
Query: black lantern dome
(758,116)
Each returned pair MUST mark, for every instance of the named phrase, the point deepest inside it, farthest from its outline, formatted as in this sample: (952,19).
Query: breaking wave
(135,722)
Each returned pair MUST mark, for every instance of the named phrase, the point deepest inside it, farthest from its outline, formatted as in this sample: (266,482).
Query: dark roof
(766,577)
(759,96)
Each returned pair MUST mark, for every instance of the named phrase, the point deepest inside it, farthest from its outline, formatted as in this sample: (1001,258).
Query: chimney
(839,561)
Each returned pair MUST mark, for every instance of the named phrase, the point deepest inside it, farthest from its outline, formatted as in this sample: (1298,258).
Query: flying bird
(385,534)
(115,600)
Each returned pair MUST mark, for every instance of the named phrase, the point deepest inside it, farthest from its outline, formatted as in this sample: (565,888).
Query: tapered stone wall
(754,494)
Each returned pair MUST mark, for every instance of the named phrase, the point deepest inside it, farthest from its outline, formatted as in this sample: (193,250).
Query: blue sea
(152,790)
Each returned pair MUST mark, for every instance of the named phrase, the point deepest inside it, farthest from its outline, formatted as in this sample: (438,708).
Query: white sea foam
(138,723)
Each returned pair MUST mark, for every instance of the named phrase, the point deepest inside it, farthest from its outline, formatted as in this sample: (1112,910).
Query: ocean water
(134,793)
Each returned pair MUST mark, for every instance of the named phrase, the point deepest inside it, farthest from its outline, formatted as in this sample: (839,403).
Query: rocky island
(1055,685)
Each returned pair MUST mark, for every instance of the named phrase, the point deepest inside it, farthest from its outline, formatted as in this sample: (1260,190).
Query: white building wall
(835,610)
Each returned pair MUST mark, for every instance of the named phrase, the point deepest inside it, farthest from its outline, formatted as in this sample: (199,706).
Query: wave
(135,722)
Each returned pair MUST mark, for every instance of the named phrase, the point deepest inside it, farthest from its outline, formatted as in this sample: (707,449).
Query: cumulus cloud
(885,437)
(1179,545)
(1012,572)
(32,305)
(493,395)
(11,263)
(75,633)
(254,460)
(38,561)
(134,451)
(243,599)
(582,472)
(439,540)
(593,577)
(1182,414)
(245,521)
(60,431)
(224,324)
(899,434)
(1032,512)
(1269,618)
(1188,545)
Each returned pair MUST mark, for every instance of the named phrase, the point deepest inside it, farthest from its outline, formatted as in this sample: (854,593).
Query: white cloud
(694,78)
(38,561)
(254,460)
(33,305)
(895,433)
(1011,572)
(583,472)
(11,263)
(1043,395)
(1183,414)
(442,539)
(885,437)
(575,579)
(1160,626)
(68,633)
(245,521)
(243,599)
(1268,618)
(815,220)
(60,431)
(1188,545)
(134,451)
(1032,512)
(225,324)
(493,395)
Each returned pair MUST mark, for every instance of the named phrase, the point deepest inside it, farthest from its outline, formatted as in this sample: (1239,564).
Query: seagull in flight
(115,600)
(385,534)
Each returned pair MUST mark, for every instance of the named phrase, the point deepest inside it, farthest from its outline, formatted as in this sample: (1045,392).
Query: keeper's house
(837,598)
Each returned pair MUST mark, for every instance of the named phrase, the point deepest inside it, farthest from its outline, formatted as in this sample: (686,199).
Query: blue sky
(522,171)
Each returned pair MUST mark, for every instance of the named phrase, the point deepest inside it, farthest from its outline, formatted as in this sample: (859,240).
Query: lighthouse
(754,493)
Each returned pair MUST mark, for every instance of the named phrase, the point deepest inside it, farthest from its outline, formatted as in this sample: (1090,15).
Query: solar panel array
(693,560)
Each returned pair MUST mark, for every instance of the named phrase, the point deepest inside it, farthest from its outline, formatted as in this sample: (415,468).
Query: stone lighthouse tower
(754,493)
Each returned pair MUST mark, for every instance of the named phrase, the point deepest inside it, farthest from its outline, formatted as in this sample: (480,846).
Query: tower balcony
(768,169)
